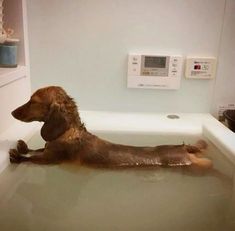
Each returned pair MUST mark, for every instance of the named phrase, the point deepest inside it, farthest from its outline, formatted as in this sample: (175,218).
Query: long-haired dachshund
(67,139)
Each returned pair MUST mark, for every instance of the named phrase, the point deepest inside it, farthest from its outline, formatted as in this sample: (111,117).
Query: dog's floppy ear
(55,125)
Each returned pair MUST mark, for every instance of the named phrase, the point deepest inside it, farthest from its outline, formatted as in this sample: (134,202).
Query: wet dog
(67,139)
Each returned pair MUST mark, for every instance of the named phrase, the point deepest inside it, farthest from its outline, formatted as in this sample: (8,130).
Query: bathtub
(143,124)
(64,197)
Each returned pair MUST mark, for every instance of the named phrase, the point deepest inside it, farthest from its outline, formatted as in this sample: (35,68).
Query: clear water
(65,197)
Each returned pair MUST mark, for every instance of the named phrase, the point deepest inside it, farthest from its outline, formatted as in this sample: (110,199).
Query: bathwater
(70,197)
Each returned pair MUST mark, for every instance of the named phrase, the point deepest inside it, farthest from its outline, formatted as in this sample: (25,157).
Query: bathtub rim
(142,123)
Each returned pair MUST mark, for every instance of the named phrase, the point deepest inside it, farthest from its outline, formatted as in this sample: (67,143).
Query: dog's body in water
(67,139)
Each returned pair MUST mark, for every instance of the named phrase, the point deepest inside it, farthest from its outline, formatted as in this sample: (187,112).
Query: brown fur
(68,140)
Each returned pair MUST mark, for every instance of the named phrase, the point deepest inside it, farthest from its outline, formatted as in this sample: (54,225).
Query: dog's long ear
(55,125)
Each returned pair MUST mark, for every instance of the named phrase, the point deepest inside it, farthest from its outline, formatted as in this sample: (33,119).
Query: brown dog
(68,140)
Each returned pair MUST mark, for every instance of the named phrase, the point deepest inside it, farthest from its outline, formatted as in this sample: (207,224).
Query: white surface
(13,95)
(93,69)
(221,136)
(8,75)
(133,123)
(142,122)
(171,80)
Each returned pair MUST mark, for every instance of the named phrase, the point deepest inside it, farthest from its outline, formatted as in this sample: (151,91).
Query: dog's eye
(34,103)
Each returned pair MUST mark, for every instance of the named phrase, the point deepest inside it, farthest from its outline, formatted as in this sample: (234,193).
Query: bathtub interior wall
(83,46)
(12,95)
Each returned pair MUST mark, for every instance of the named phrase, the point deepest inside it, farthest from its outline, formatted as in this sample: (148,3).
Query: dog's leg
(201,144)
(22,148)
(195,155)
(37,157)
(197,149)
(200,162)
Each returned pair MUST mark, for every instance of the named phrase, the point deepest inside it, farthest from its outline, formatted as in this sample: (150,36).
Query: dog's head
(52,106)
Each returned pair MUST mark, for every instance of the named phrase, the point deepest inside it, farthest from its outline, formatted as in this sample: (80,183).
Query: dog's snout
(21,112)
(29,112)
(17,113)
(13,113)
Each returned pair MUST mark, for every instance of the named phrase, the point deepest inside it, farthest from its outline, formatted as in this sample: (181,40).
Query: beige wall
(82,45)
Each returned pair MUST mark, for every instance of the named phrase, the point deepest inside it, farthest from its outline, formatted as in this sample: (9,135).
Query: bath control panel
(154,71)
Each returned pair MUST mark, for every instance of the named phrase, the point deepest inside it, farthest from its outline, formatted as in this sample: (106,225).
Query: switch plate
(200,67)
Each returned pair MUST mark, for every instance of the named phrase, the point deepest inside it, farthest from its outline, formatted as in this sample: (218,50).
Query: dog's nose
(14,114)
(17,113)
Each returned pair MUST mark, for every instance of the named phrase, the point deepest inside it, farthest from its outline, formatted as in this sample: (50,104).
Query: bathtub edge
(9,137)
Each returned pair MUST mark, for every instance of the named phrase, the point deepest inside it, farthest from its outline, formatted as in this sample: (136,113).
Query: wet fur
(67,139)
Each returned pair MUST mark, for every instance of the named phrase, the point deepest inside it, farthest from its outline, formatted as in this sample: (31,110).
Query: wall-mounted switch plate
(200,68)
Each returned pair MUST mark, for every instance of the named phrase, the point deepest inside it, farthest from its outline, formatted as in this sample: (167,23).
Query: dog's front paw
(15,156)
(22,147)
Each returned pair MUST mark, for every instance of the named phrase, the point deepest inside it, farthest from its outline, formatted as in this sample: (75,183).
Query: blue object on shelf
(8,55)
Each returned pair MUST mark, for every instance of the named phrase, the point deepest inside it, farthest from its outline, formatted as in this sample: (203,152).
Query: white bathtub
(133,123)
(61,198)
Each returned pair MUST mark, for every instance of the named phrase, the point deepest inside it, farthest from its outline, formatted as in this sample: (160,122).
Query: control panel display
(154,62)
(154,65)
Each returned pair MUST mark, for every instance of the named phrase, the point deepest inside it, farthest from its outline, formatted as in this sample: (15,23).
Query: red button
(197,67)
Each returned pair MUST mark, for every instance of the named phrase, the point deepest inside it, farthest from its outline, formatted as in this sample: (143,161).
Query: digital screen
(155,62)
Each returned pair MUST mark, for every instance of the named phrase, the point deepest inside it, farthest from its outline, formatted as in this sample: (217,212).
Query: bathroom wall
(82,45)
(224,92)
